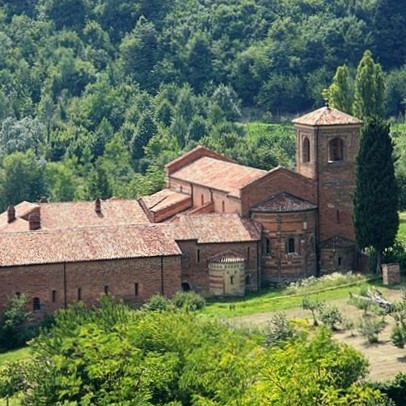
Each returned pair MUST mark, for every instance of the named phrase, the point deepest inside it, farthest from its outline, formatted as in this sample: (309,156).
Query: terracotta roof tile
(284,202)
(227,257)
(55,216)
(163,199)
(215,228)
(22,210)
(86,244)
(326,116)
(220,175)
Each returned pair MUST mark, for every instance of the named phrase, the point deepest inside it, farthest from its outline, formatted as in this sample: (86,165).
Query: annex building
(218,227)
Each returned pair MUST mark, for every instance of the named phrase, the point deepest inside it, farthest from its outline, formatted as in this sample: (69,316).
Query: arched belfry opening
(336,150)
(306,150)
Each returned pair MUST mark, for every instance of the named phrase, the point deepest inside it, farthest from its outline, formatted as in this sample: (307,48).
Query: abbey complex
(218,228)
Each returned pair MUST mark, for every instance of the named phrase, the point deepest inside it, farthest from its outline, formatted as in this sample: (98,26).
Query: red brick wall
(119,275)
(336,183)
(280,266)
(277,181)
(196,272)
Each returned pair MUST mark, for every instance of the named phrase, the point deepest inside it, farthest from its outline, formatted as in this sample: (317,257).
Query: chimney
(34,220)
(97,206)
(11,213)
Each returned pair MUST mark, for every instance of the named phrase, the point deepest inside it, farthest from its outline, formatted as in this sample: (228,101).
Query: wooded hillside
(96,95)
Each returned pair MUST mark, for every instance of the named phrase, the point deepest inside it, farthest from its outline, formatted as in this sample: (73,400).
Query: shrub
(313,306)
(278,331)
(157,303)
(330,316)
(328,281)
(188,300)
(398,335)
(371,326)
(14,328)
(396,253)
(394,389)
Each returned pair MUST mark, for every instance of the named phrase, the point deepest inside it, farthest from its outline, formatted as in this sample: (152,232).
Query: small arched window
(36,304)
(306,150)
(223,206)
(202,199)
(290,245)
(336,150)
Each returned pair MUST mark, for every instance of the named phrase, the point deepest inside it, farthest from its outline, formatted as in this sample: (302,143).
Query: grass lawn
(15,355)
(279,300)
(402,225)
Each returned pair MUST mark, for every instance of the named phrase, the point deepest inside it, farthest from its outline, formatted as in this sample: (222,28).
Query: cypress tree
(376,218)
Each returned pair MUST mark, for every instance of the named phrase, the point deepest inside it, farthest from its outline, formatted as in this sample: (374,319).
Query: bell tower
(327,142)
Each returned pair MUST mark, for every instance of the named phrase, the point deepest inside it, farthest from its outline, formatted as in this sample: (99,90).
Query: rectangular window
(248,253)
(79,293)
(198,255)
(338,216)
(53,296)
(106,289)
(136,289)
(267,246)
(18,294)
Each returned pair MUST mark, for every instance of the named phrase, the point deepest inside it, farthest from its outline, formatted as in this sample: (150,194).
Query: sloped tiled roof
(86,244)
(56,216)
(337,242)
(215,228)
(163,199)
(284,202)
(21,210)
(326,116)
(220,175)
(193,155)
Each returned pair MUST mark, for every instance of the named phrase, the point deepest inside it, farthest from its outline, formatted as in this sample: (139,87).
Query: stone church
(218,228)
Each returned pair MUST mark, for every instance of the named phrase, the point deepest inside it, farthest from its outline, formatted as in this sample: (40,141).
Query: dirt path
(385,359)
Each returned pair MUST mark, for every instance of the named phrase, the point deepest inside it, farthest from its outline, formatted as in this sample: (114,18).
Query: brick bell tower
(327,142)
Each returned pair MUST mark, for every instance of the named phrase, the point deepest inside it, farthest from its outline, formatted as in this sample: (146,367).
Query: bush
(188,300)
(394,389)
(278,331)
(157,303)
(314,307)
(330,316)
(14,328)
(371,326)
(335,279)
(396,253)
(398,336)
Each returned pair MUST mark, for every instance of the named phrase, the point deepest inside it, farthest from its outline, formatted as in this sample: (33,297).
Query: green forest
(97,95)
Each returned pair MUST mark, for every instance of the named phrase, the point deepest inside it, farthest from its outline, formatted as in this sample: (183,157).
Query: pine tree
(339,93)
(376,218)
(369,88)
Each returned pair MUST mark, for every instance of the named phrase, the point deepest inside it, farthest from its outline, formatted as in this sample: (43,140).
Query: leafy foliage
(189,301)
(14,328)
(113,354)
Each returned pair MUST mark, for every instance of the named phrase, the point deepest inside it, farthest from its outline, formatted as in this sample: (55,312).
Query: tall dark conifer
(376,218)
